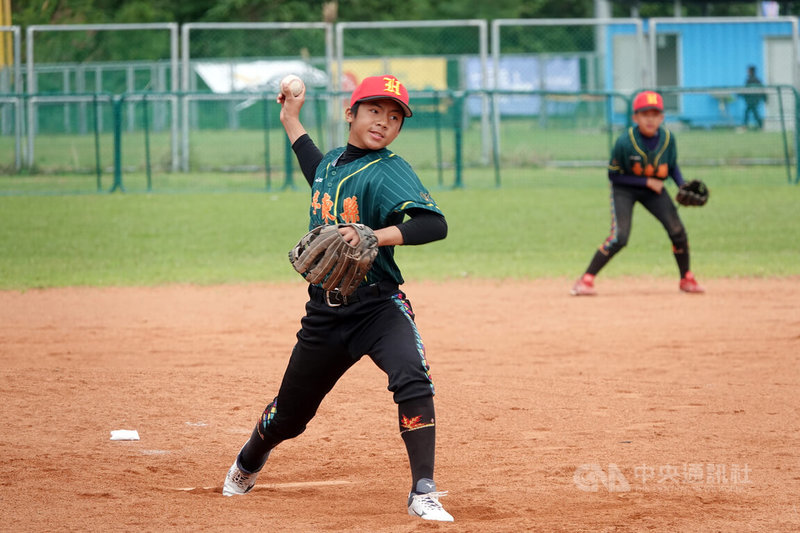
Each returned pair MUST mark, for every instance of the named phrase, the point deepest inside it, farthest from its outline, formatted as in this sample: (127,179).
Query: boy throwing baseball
(642,159)
(361,183)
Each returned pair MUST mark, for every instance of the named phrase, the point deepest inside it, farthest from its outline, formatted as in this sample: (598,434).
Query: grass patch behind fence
(543,223)
(523,143)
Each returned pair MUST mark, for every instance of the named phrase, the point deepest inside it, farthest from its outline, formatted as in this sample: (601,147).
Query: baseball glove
(692,192)
(323,256)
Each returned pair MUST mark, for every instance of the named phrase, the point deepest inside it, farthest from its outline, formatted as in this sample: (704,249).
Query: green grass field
(543,223)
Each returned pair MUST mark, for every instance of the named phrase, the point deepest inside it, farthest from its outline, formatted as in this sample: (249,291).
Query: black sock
(254,453)
(682,258)
(598,262)
(418,429)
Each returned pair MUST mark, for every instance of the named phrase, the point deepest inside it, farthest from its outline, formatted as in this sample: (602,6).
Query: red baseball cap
(648,100)
(376,87)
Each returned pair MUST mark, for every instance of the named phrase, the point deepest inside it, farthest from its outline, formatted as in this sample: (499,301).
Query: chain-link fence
(434,58)
(80,60)
(561,84)
(103,102)
(735,125)
(228,71)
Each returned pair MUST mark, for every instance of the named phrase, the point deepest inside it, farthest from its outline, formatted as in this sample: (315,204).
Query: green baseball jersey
(632,157)
(374,190)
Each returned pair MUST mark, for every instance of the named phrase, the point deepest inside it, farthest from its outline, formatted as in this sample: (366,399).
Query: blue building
(695,53)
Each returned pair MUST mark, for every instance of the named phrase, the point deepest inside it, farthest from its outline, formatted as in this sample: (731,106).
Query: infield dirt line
(292,485)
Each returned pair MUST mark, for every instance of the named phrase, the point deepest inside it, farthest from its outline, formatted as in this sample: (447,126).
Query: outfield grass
(545,224)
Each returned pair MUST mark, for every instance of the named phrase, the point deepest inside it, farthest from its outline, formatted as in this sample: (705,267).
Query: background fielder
(368,184)
(642,159)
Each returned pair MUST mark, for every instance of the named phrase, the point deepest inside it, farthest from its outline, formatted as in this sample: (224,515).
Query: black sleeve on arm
(627,179)
(308,155)
(424,226)
(677,176)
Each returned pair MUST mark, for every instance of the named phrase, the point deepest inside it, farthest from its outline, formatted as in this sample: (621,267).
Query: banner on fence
(416,73)
(524,73)
(254,76)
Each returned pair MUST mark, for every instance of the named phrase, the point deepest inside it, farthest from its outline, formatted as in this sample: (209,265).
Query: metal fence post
(495,138)
(146,126)
(438,129)
(458,131)
(97,167)
(796,136)
(117,114)
(267,168)
(287,164)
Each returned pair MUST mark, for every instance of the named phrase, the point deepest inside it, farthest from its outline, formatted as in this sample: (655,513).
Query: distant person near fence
(753,99)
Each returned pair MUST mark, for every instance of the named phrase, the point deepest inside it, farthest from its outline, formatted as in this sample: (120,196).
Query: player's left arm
(401,194)
(674,169)
(424,226)
(677,177)
(389,236)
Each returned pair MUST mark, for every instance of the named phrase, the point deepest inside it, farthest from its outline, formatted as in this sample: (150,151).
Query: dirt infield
(640,409)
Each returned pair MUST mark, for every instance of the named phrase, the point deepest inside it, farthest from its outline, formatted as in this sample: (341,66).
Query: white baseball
(292,83)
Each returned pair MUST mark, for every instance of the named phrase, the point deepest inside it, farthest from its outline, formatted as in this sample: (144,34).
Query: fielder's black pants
(623,199)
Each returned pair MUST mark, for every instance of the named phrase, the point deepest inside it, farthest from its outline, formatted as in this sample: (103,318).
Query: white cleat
(238,482)
(426,504)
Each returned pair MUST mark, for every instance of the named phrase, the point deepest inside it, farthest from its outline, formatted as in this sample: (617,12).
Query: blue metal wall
(714,54)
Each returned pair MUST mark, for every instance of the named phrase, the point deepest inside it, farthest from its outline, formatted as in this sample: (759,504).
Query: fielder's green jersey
(374,190)
(631,156)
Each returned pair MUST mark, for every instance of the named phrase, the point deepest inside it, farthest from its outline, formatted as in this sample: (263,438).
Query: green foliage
(247,43)
(80,47)
(696,8)
(99,11)
(541,224)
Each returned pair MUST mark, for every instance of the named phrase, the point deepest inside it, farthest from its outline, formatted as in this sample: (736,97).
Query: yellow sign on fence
(416,73)
(6,46)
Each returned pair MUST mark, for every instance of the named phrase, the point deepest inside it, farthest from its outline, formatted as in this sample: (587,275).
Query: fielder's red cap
(376,87)
(648,100)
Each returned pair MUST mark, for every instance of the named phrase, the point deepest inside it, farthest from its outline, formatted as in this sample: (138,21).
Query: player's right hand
(290,105)
(655,185)
(349,234)
(290,115)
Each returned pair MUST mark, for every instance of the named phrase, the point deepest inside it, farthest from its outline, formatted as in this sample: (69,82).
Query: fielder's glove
(323,256)
(692,192)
